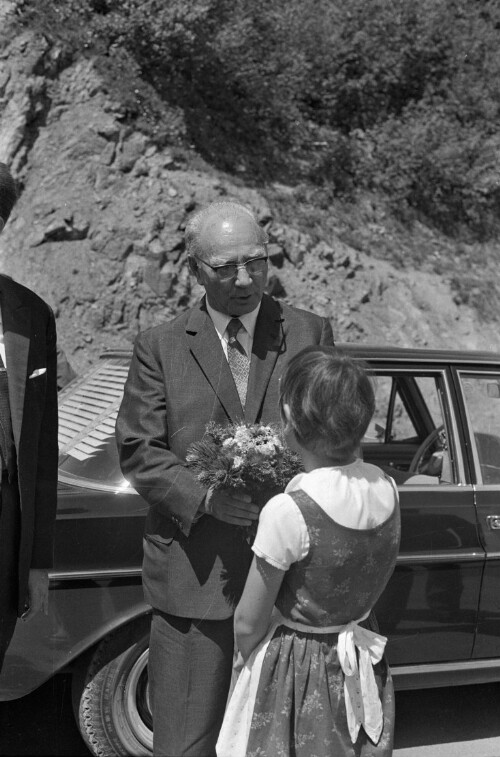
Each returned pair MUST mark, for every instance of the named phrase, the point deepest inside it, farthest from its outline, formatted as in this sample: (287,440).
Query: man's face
(224,241)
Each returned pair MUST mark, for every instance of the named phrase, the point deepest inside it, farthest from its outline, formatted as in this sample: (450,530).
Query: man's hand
(38,593)
(231,507)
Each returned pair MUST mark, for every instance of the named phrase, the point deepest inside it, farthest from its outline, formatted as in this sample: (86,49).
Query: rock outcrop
(98,229)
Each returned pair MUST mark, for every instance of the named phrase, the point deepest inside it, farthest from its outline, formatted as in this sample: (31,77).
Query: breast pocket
(37,373)
(36,381)
(35,390)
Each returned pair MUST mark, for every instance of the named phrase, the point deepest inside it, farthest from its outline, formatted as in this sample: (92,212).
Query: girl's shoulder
(358,495)
(368,471)
(278,506)
(282,537)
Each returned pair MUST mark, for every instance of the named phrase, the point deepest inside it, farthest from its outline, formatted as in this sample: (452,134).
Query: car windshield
(87,413)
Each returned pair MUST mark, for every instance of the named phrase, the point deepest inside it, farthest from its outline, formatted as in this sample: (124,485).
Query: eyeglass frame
(236,265)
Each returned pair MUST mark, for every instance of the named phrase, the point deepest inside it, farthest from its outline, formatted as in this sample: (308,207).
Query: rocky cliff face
(98,228)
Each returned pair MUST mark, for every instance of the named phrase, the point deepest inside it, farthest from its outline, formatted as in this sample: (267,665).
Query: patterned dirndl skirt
(289,699)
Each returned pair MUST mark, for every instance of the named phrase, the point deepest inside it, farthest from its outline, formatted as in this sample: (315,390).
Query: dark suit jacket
(179,380)
(30,347)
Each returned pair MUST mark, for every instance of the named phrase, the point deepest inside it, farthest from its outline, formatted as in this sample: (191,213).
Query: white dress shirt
(245,334)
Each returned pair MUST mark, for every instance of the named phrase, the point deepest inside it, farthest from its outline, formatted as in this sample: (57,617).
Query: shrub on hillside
(391,94)
(431,163)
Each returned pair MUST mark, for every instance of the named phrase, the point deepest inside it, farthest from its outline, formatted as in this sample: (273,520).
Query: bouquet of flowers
(249,457)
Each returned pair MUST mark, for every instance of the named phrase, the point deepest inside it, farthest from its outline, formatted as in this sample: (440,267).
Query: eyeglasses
(227,271)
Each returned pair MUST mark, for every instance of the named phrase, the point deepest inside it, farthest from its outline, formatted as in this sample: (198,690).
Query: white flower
(237,462)
(267,449)
(242,435)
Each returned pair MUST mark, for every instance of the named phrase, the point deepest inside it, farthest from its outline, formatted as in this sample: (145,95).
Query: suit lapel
(267,345)
(16,319)
(206,348)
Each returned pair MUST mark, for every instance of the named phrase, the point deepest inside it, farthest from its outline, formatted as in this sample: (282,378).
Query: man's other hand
(231,507)
(38,593)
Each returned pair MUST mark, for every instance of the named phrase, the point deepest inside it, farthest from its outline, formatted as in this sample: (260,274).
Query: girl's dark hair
(330,396)
(8,192)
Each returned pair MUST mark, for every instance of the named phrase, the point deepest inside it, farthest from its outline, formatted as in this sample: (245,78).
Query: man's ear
(194,269)
(193,265)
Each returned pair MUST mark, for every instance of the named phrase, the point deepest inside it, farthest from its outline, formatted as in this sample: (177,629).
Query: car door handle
(493,522)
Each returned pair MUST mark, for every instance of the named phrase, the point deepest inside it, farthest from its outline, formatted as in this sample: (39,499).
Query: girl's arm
(253,613)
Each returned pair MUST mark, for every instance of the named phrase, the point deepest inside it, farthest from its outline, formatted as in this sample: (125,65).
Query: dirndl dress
(326,690)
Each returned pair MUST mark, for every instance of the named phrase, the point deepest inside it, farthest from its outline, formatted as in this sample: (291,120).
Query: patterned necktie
(237,358)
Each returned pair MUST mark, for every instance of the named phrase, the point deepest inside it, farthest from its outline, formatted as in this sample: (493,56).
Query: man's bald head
(221,241)
(206,226)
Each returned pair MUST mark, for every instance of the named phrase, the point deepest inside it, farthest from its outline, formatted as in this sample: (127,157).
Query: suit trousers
(10,518)
(190,664)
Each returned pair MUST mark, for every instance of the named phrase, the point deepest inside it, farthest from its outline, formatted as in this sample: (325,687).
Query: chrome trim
(383,352)
(432,675)
(432,487)
(441,557)
(78,575)
(82,483)
(444,667)
(493,522)
(95,575)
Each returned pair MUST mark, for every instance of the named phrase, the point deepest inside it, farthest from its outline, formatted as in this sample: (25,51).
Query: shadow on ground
(41,723)
(444,715)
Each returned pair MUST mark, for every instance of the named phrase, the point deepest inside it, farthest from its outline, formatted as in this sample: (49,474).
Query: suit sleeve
(46,476)
(155,472)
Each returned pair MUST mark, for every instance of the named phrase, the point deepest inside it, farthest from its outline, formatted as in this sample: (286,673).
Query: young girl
(313,677)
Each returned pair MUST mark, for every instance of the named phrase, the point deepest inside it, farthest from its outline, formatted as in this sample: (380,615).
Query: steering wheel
(429,440)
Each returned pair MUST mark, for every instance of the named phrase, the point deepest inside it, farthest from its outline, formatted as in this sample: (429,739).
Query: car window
(481,394)
(408,435)
(389,423)
(87,414)
(432,393)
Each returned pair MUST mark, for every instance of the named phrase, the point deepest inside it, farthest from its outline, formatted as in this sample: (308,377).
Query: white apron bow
(362,698)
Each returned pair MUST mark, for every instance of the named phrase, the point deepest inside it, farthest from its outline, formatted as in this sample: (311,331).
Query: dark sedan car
(436,430)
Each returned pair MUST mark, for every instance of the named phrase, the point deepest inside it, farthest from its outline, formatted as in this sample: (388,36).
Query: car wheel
(111,699)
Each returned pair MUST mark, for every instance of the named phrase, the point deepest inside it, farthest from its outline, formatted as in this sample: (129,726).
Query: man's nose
(242,277)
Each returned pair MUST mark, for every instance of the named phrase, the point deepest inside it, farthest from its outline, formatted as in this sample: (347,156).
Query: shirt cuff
(270,560)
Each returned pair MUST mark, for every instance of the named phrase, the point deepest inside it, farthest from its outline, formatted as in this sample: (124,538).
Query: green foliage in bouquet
(251,457)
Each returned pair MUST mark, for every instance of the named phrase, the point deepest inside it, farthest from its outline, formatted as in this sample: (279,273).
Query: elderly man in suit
(28,443)
(219,361)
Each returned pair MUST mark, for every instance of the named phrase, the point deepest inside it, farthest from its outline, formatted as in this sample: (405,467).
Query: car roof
(413,354)
(378,352)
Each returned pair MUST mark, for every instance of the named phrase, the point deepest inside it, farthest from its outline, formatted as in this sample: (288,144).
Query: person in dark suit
(219,361)
(28,443)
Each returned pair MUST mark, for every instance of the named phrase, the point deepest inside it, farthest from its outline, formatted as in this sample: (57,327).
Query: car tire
(110,695)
